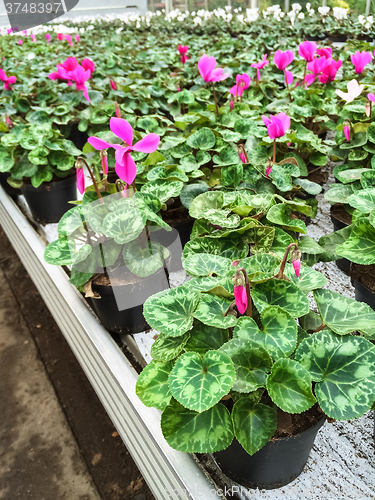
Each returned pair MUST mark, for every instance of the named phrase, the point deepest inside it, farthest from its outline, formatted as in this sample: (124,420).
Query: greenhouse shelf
(169,474)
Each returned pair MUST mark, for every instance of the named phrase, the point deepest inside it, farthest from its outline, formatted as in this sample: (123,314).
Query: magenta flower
(297,266)
(283,59)
(268,170)
(20,42)
(347,132)
(8,121)
(206,67)
(316,66)
(260,65)
(7,81)
(276,125)
(48,37)
(360,60)
(183,50)
(113,85)
(243,82)
(240,298)
(87,64)
(329,72)
(80,76)
(70,64)
(307,50)
(33,37)
(60,36)
(68,38)
(288,78)
(371,97)
(242,157)
(327,53)
(80,180)
(231,105)
(78,38)
(125,167)
(9,30)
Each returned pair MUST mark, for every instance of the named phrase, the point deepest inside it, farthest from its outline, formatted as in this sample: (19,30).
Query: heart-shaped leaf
(204,264)
(308,279)
(254,424)
(281,214)
(289,386)
(171,312)
(202,139)
(285,294)
(206,201)
(363,200)
(146,261)
(167,348)
(191,432)
(360,246)
(260,267)
(199,382)
(344,371)
(152,386)
(212,311)
(205,338)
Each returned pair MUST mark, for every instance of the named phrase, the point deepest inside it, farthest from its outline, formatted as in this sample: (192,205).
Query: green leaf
(339,193)
(231,247)
(344,371)
(227,156)
(363,200)
(308,186)
(192,432)
(152,386)
(164,190)
(211,311)
(172,312)
(254,424)
(167,348)
(232,175)
(280,242)
(344,315)
(330,242)
(126,225)
(60,252)
(204,338)
(318,159)
(280,214)
(251,362)
(260,267)
(289,386)
(43,174)
(282,176)
(190,192)
(146,261)
(350,175)
(61,160)
(308,279)
(204,264)
(6,161)
(203,139)
(359,247)
(206,201)
(199,382)
(281,293)
(78,279)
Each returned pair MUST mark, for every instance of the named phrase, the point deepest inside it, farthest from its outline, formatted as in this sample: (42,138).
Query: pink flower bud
(48,37)
(231,104)
(368,110)
(78,38)
(241,298)
(242,157)
(347,132)
(297,266)
(113,85)
(20,42)
(80,180)
(268,171)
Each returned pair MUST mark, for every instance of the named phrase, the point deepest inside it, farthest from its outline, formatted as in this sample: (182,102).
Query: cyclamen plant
(218,375)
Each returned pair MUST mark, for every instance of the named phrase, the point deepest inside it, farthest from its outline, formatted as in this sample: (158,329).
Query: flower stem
(304,74)
(249,309)
(274,151)
(93,179)
(283,262)
(217,107)
(320,328)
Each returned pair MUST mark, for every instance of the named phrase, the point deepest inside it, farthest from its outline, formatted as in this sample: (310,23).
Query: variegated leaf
(60,252)
(251,362)
(192,432)
(167,348)
(211,311)
(289,386)
(344,315)
(281,293)
(171,312)
(280,214)
(199,382)
(70,221)
(344,371)
(205,338)
(254,424)
(260,267)
(363,200)
(232,247)
(360,246)
(308,279)
(280,242)
(206,201)
(152,385)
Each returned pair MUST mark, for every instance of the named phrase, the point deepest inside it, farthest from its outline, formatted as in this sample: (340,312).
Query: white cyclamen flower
(296,7)
(354,90)
(301,15)
(308,6)
(323,10)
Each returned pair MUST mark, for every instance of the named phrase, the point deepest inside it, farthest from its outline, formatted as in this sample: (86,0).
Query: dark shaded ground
(110,464)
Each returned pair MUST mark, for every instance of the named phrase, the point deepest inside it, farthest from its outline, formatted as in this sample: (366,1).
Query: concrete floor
(39,456)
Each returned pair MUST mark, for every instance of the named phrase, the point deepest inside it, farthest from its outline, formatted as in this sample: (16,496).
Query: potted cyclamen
(255,389)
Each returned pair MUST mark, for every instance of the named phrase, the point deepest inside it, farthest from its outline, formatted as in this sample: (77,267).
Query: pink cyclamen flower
(70,64)
(206,67)
(125,167)
(297,266)
(327,53)
(231,105)
(20,42)
(104,163)
(316,66)
(113,85)
(371,97)
(360,60)
(354,91)
(182,49)
(307,50)
(68,38)
(60,36)
(80,76)
(288,77)
(240,298)
(242,157)
(268,170)
(260,65)
(78,38)
(48,37)
(87,64)
(347,132)
(9,30)
(7,81)
(242,83)
(329,72)
(276,125)
(283,59)
(178,89)
(33,37)
(8,121)
(80,180)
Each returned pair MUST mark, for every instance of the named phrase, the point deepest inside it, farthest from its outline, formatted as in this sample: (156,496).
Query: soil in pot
(340,219)
(49,202)
(363,280)
(120,306)
(281,460)
(13,192)
(316,175)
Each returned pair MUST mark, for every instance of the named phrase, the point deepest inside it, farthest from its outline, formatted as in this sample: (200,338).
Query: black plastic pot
(175,241)
(276,464)
(50,201)
(343,264)
(364,294)
(13,192)
(120,308)
(78,138)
